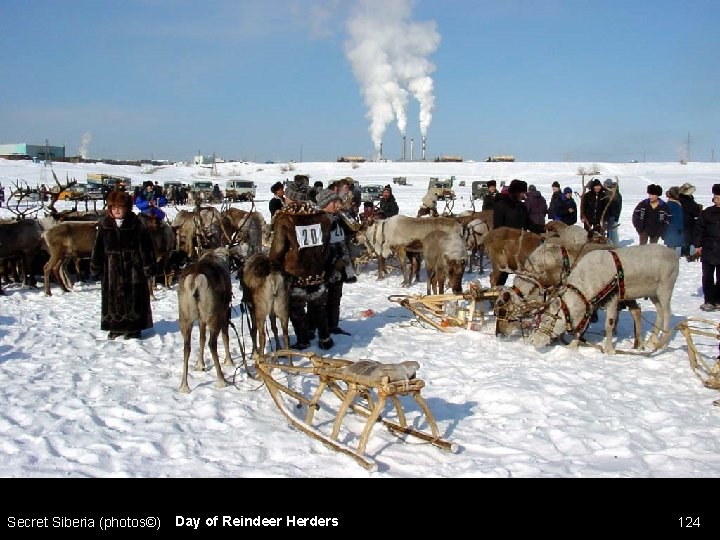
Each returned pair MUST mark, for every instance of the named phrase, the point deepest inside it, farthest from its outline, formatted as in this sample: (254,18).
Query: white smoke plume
(84,143)
(389,54)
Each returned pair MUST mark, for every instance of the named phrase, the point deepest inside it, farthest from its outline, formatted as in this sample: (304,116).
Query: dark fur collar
(300,207)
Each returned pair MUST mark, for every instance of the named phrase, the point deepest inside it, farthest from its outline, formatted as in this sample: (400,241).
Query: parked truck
(442,188)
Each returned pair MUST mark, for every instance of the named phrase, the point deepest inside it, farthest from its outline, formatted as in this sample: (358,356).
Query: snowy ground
(78,405)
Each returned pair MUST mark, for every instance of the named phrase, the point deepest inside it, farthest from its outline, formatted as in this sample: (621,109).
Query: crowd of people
(312,228)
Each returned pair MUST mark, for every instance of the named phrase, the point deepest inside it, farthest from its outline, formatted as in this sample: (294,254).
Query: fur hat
(298,190)
(119,198)
(608,183)
(318,184)
(532,187)
(276,186)
(673,193)
(716,189)
(654,189)
(518,186)
(595,182)
(147,184)
(491,183)
(302,179)
(687,189)
(326,196)
(568,189)
(349,180)
(555,184)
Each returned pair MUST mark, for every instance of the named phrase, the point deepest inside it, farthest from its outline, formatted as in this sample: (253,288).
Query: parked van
(238,189)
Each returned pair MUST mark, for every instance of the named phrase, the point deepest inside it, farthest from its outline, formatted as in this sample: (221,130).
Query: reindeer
(400,235)
(265,291)
(608,277)
(205,295)
(445,256)
(247,228)
(21,240)
(68,240)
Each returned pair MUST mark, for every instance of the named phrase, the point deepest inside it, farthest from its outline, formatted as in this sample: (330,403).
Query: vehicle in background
(480,188)
(168,185)
(237,189)
(74,192)
(371,192)
(99,184)
(400,180)
(442,188)
(498,159)
(201,190)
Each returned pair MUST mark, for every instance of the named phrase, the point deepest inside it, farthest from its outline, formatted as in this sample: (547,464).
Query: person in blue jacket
(674,236)
(148,203)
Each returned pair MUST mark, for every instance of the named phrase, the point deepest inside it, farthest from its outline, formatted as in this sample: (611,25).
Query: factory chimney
(412,149)
(424,145)
(403,148)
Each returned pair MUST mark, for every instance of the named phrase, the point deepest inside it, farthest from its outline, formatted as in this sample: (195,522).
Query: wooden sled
(363,386)
(430,308)
(708,373)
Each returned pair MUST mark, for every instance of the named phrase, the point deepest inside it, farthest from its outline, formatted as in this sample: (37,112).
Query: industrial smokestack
(412,149)
(424,140)
(380,153)
(403,150)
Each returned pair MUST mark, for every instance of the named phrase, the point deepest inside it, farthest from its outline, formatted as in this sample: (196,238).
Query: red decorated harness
(617,283)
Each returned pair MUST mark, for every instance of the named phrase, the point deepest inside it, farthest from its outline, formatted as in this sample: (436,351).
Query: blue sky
(544,80)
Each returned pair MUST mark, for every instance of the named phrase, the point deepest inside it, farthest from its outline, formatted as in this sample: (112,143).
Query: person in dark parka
(492,196)
(592,206)
(566,208)
(651,216)
(510,211)
(706,239)
(387,204)
(555,199)
(125,257)
(691,211)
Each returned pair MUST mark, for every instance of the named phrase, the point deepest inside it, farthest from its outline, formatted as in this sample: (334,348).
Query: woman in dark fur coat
(124,255)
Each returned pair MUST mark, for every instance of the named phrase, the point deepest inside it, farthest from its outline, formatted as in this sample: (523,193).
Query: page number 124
(689,522)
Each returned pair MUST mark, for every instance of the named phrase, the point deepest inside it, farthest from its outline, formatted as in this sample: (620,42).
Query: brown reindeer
(400,235)
(205,295)
(445,257)
(265,291)
(243,227)
(68,240)
(508,249)
(21,240)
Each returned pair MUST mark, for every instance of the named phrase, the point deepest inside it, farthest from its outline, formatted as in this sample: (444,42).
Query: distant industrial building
(30,151)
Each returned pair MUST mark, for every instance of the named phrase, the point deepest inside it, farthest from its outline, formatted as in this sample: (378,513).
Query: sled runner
(708,373)
(364,387)
(447,312)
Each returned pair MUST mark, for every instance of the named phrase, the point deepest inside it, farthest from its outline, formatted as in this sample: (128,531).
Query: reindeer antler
(19,194)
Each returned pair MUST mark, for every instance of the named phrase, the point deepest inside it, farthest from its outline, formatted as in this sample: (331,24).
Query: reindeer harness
(617,283)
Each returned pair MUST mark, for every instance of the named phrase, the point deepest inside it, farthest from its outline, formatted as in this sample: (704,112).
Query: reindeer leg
(611,313)
(46,275)
(186,331)
(226,343)
(636,314)
(221,383)
(274,327)
(200,366)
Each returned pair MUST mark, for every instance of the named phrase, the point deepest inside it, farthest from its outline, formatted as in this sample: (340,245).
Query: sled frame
(367,398)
